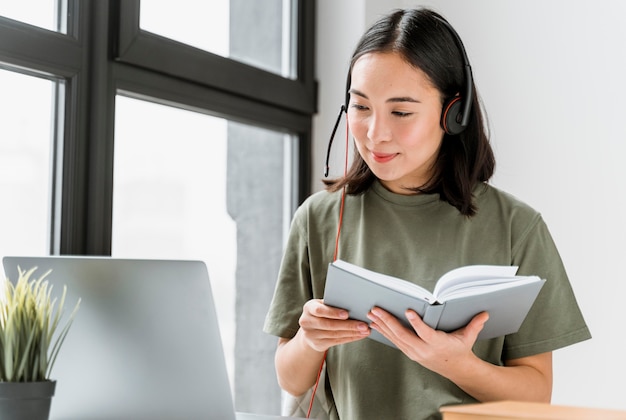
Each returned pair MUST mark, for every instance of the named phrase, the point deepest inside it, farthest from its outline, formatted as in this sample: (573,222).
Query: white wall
(551,74)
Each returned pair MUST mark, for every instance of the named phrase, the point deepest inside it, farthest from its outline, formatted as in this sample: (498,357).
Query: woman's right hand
(323,326)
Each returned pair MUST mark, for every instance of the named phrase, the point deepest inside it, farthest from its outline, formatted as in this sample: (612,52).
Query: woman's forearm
(526,379)
(297,365)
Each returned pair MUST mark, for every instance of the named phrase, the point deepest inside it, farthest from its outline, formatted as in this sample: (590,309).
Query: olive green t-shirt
(419,238)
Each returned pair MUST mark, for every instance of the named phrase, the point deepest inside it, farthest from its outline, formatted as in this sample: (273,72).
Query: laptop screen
(145,343)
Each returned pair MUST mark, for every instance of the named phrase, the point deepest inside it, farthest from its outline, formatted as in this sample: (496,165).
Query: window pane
(192,186)
(26,110)
(47,14)
(254,32)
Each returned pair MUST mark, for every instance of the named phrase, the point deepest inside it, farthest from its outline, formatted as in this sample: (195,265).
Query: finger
(326,343)
(423,330)
(318,328)
(316,307)
(382,317)
(322,339)
(385,323)
(332,318)
(316,315)
(344,331)
(405,339)
(339,327)
(475,326)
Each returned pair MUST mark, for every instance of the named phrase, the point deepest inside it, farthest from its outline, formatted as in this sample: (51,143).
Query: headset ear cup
(451,116)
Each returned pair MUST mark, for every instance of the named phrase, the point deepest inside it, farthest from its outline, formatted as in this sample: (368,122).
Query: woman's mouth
(383,157)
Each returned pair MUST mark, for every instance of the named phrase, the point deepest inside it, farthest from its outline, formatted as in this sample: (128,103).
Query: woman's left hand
(438,351)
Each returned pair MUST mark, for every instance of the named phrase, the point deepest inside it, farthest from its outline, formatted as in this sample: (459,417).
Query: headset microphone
(332,136)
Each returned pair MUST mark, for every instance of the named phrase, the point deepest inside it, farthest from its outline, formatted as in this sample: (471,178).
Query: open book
(458,296)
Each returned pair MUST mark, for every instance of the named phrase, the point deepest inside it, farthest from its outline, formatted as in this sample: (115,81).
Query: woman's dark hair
(464,160)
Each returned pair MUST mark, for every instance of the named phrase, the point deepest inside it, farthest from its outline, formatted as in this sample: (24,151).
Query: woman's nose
(378,129)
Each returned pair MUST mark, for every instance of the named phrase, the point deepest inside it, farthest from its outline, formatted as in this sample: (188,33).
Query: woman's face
(394,115)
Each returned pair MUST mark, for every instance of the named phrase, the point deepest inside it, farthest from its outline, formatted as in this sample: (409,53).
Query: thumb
(476,325)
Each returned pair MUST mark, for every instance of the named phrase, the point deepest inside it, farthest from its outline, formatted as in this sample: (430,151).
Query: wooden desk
(515,410)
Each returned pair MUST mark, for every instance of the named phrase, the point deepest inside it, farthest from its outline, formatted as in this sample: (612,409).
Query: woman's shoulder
(491,199)
(322,199)
(319,205)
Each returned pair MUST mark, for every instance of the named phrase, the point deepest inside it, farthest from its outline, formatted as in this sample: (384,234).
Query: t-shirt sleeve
(555,319)
(293,287)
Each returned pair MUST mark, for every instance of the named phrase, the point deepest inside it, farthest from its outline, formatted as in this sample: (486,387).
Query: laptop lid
(145,343)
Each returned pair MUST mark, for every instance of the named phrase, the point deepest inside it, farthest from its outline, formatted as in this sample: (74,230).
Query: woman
(417,204)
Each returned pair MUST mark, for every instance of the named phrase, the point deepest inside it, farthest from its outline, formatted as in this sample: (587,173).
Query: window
(26,151)
(46,14)
(268,44)
(192,197)
(108,87)
(248,38)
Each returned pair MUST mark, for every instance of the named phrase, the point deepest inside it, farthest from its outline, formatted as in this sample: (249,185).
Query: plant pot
(26,400)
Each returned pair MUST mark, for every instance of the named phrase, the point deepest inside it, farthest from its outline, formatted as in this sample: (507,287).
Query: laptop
(145,343)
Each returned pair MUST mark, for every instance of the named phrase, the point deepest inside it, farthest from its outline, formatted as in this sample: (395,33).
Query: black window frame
(103,54)
(136,46)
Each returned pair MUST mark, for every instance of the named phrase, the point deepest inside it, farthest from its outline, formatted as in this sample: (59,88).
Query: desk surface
(517,410)
(250,416)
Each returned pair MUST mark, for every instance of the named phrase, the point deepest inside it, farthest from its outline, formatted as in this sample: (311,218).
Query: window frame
(36,51)
(136,46)
(103,54)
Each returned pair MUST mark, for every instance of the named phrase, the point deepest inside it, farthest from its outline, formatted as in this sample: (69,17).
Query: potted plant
(30,339)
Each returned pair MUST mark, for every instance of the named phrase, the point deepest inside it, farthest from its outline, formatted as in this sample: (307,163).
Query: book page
(484,286)
(472,273)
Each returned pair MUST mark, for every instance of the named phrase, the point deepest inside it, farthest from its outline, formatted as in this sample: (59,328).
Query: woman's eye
(401,114)
(359,107)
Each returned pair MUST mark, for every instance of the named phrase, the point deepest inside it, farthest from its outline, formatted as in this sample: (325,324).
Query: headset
(456,111)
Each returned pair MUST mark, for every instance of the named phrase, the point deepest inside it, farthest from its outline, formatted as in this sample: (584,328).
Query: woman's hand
(450,355)
(435,350)
(323,326)
(298,359)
